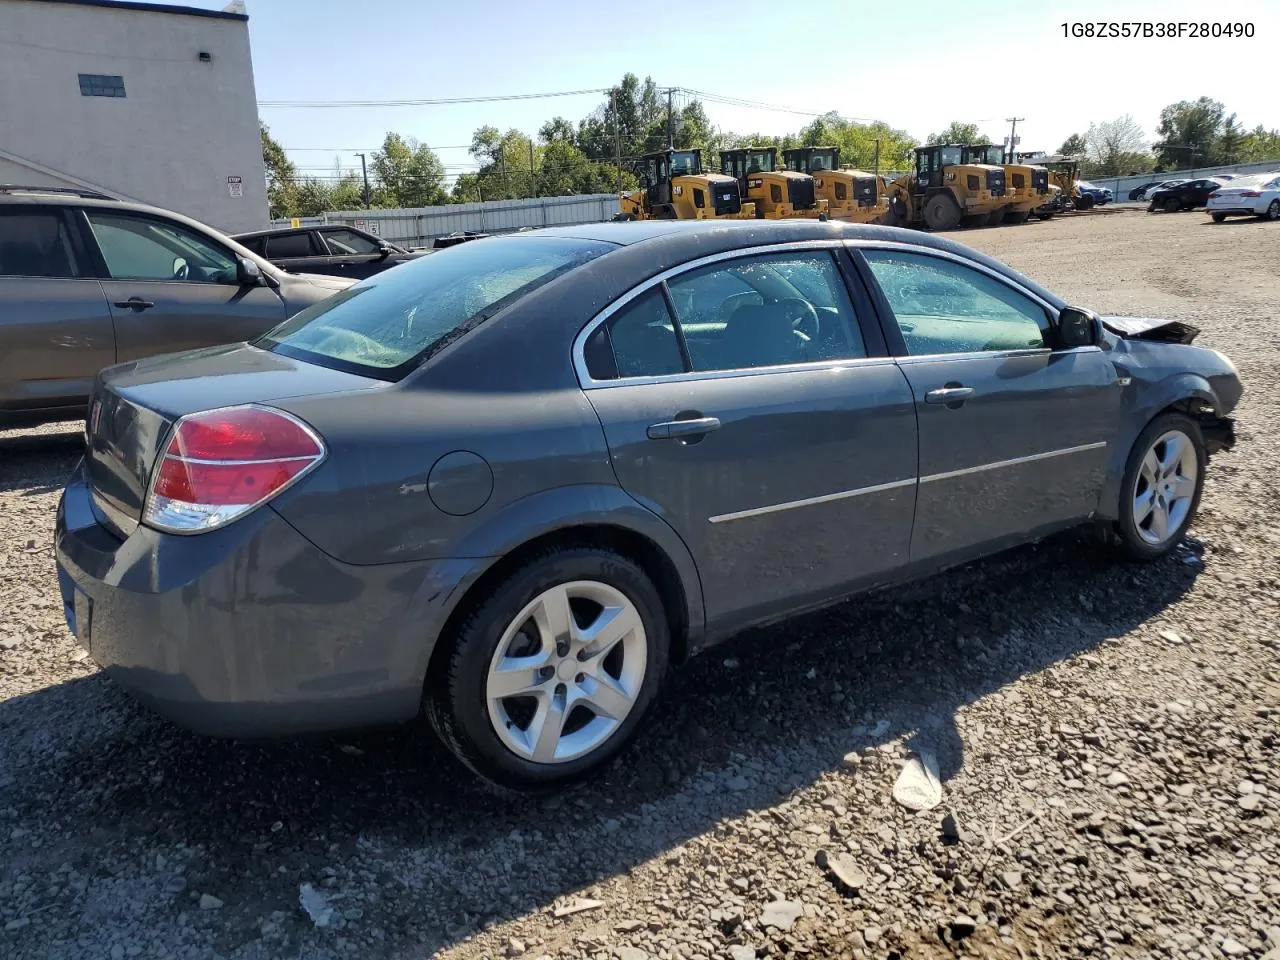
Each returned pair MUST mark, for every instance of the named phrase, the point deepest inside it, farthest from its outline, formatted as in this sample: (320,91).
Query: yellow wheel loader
(1026,185)
(852,195)
(1064,179)
(776,193)
(946,192)
(674,187)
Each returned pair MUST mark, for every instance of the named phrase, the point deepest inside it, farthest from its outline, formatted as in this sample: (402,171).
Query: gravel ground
(1106,738)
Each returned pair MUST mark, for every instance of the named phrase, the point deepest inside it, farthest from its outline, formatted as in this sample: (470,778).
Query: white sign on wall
(235,187)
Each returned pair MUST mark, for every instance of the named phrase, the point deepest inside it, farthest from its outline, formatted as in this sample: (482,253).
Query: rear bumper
(251,630)
(1234,211)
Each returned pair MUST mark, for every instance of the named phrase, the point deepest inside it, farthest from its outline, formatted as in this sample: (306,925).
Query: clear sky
(914,65)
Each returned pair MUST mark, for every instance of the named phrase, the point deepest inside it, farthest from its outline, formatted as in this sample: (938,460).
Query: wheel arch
(1185,393)
(595,516)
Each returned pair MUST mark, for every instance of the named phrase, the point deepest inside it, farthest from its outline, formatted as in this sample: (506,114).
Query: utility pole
(1013,135)
(533,183)
(617,136)
(671,120)
(364,172)
(877,143)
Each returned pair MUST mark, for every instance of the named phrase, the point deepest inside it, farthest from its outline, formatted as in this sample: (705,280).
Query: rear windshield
(387,325)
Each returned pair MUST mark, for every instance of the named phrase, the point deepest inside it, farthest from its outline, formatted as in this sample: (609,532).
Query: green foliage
(1116,147)
(1259,144)
(282,176)
(1230,141)
(1189,133)
(1074,146)
(957,132)
(408,173)
(857,142)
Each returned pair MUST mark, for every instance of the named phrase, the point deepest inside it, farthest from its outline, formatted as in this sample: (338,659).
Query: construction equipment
(1064,173)
(675,187)
(776,193)
(1026,185)
(945,191)
(852,195)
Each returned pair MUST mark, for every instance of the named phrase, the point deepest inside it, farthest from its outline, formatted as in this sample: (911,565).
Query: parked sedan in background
(1140,193)
(1184,196)
(515,481)
(1097,195)
(87,281)
(1257,196)
(333,249)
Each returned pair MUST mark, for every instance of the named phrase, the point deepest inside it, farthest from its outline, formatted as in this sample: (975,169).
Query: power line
(429,102)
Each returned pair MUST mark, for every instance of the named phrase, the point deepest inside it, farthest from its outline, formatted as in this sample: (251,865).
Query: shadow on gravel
(37,463)
(775,709)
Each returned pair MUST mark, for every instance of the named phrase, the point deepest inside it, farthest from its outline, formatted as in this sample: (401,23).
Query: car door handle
(134,303)
(675,429)
(948,394)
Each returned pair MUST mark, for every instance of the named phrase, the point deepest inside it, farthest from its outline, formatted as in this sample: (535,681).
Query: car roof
(272,231)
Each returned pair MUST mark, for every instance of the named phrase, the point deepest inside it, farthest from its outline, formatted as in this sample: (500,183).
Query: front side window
(142,248)
(348,242)
(386,325)
(766,311)
(34,243)
(945,307)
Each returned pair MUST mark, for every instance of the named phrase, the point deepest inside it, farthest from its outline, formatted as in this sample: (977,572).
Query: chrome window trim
(587,382)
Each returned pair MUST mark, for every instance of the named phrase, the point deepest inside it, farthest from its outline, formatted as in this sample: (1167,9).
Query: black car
(1184,196)
(334,249)
(1140,191)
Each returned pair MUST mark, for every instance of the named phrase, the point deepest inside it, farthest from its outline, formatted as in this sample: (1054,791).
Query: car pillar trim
(1016,461)
(812,501)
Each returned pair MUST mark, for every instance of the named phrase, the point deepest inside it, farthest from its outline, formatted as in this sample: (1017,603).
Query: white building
(146,102)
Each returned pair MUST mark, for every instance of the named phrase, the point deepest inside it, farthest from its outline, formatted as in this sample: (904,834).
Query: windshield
(388,324)
(685,163)
(759,161)
(948,156)
(822,160)
(990,154)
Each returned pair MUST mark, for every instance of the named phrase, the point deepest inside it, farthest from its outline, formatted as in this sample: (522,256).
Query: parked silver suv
(87,281)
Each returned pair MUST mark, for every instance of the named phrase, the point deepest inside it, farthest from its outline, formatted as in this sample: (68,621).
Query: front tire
(1160,493)
(1218,217)
(1273,210)
(941,212)
(1172,205)
(550,676)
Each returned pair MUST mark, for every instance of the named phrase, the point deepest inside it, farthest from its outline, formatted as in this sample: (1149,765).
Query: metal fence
(418,226)
(1120,186)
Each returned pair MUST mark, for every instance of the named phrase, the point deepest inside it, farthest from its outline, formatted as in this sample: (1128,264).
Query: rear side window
(35,243)
(291,245)
(257,244)
(637,341)
(386,325)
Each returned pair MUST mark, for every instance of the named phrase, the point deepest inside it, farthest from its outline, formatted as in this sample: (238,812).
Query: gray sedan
(515,481)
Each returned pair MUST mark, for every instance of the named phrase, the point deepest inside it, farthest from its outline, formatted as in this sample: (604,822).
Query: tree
(409,173)
(1074,146)
(1230,141)
(282,177)
(508,163)
(1116,146)
(957,132)
(1260,144)
(558,130)
(857,142)
(1189,132)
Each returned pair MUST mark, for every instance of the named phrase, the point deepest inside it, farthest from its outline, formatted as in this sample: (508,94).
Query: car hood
(332,284)
(1152,350)
(1154,329)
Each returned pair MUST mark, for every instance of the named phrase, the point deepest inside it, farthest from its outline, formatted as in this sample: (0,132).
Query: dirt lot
(1107,737)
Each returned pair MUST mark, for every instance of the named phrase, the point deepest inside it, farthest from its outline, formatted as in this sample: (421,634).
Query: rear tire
(1219,217)
(1084,202)
(995,218)
(941,212)
(1161,489)
(496,733)
(1273,210)
(1172,205)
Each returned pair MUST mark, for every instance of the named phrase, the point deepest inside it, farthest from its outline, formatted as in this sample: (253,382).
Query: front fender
(1149,400)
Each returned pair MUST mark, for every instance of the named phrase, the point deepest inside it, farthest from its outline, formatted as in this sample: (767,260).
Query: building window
(96,85)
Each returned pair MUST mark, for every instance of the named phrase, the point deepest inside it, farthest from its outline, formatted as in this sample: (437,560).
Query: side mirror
(248,273)
(384,250)
(1078,328)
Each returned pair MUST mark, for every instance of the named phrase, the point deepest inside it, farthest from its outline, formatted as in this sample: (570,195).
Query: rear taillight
(220,464)
(1214,196)
(1250,193)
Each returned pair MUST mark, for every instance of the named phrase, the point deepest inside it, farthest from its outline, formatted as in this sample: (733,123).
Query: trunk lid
(133,405)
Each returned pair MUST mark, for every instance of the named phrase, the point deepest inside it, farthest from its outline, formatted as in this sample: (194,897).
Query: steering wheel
(803,316)
(181,269)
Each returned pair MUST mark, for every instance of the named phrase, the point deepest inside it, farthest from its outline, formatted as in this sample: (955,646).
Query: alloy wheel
(1165,487)
(566,672)
(1273,210)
